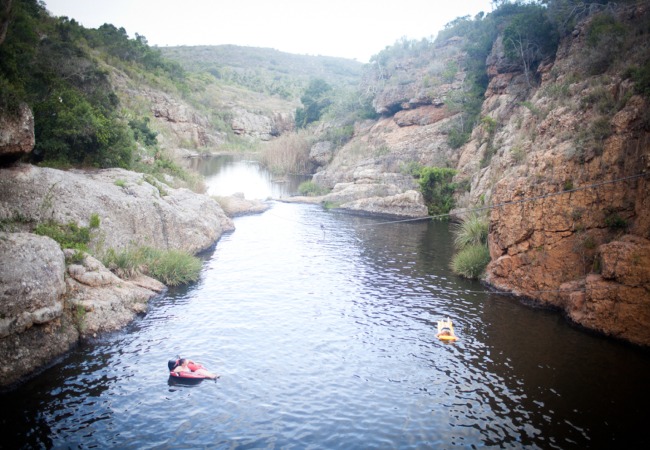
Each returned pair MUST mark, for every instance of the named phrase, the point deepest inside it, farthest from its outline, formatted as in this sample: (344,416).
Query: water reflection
(230,174)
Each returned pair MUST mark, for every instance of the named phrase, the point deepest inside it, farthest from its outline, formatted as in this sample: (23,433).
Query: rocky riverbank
(49,299)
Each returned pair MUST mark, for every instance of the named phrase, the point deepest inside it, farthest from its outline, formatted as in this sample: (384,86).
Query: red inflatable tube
(191,375)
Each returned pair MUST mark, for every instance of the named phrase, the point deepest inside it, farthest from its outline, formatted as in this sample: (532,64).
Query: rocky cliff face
(182,126)
(566,155)
(569,161)
(371,172)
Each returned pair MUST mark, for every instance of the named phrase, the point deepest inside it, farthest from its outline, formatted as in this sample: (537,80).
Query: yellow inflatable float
(446,331)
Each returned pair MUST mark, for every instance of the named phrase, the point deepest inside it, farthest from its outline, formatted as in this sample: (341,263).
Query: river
(322,327)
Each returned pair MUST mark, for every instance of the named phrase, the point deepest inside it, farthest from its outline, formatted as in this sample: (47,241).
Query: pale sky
(355,29)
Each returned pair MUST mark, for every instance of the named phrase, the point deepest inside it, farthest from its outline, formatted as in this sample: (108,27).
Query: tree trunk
(5,12)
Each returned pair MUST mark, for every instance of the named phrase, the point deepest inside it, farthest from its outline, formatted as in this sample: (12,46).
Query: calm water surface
(322,326)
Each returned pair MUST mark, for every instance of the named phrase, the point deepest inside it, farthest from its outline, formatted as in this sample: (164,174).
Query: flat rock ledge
(237,205)
(409,204)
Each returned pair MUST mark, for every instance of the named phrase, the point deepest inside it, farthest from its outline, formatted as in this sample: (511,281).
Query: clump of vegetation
(171,267)
(590,141)
(471,261)
(311,189)
(14,223)
(605,38)
(315,101)
(614,221)
(155,183)
(412,168)
(471,241)
(69,235)
(641,77)
(52,65)
(339,136)
(287,154)
(471,231)
(437,188)
(80,317)
(529,37)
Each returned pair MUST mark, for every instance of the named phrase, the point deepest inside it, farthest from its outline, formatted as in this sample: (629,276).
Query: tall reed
(287,154)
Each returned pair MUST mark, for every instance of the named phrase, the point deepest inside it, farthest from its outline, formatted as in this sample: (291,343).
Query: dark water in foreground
(322,326)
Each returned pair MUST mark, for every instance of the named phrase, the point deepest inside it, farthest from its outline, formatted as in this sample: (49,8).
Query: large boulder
(260,126)
(406,204)
(615,302)
(237,205)
(31,281)
(17,136)
(321,153)
(43,312)
(34,326)
(134,209)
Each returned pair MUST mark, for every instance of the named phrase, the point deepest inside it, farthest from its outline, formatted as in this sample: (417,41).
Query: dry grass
(287,154)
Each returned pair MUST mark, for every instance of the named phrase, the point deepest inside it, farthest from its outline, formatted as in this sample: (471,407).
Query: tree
(5,13)
(529,38)
(315,101)
(437,189)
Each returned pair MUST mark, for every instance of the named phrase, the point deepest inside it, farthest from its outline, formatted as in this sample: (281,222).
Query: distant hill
(266,70)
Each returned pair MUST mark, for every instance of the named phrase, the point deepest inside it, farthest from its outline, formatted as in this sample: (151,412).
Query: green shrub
(68,236)
(532,108)
(603,27)
(457,137)
(331,205)
(490,124)
(75,258)
(310,188)
(339,136)
(472,231)
(641,77)
(94,221)
(615,221)
(605,38)
(437,189)
(155,183)
(599,98)
(529,37)
(450,71)
(315,101)
(174,267)
(471,261)
(171,267)
(142,132)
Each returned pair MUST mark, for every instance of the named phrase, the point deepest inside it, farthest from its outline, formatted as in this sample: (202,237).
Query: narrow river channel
(322,326)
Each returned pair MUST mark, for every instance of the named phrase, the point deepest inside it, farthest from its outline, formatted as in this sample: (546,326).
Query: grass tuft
(472,231)
(171,267)
(471,261)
